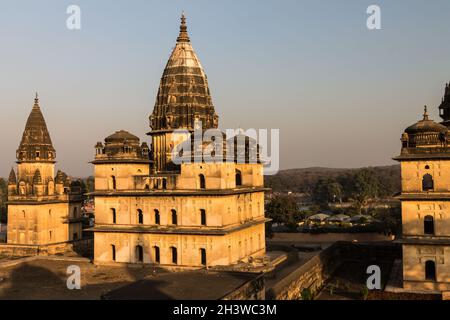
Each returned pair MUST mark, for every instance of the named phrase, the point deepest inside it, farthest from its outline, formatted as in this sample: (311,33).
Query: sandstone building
(44,208)
(425,197)
(152,210)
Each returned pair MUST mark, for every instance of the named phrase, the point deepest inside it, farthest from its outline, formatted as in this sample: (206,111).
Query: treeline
(335,185)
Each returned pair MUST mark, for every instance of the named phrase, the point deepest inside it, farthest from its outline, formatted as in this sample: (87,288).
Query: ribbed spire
(183,95)
(36,144)
(37,179)
(60,177)
(183,36)
(12,177)
(425,113)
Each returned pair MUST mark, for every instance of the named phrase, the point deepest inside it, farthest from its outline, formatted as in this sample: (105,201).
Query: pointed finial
(183,36)
(425,113)
(36,100)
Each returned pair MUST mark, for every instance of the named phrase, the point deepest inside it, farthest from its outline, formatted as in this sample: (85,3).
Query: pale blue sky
(340,94)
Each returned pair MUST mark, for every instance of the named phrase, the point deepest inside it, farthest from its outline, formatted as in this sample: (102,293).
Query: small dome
(121,136)
(425,133)
(426,126)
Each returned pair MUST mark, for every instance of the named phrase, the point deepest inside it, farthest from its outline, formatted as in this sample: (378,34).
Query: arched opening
(164,184)
(427,182)
(202,181)
(203,217)
(428,225)
(113,252)
(238,178)
(203,256)
(156,254)
(174,217)
(430,270)
(139,254)
(174,255)
(140,217)
(157,217)
(113,215)
(113,182)
(75,212)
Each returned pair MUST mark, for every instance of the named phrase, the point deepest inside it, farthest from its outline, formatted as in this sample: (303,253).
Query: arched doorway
(427,182)
(202,181)
(430,270)
(428,225)
(139,253)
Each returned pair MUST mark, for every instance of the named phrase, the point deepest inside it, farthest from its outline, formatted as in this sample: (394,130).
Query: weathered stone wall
(82,247)
(311,275)
(329,237)
(315,272)
(251,290)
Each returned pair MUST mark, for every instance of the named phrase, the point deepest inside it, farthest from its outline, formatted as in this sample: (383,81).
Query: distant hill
(304,179)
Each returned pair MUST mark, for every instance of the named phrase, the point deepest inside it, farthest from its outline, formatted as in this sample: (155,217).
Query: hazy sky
(340,94)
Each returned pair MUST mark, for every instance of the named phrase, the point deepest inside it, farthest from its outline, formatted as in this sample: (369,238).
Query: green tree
(365,186)
(327,190)
(284,210)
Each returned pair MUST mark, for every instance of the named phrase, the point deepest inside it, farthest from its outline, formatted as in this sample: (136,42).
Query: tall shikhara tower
(43,208)
(183,99)
(425,197)
(190,215)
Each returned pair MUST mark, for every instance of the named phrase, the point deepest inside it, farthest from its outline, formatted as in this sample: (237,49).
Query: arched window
(174,217)
(427,182)
(113,182)
(140,217)
(113,252)
(75,212)
(428,225)
(203,256)
(139,254)
(113,215)
(238,178)
(202,181)
(174,255)
(157,217)
(430,270)
(203,217)
(164,184)
(156,254)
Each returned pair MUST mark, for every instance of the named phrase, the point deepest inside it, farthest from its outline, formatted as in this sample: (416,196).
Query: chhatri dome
(425,133)
(183,95)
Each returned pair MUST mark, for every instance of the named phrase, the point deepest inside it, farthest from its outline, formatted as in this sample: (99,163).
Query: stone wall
(315,272)
(251,290)
(329,237)
(82,247)
(311,275)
